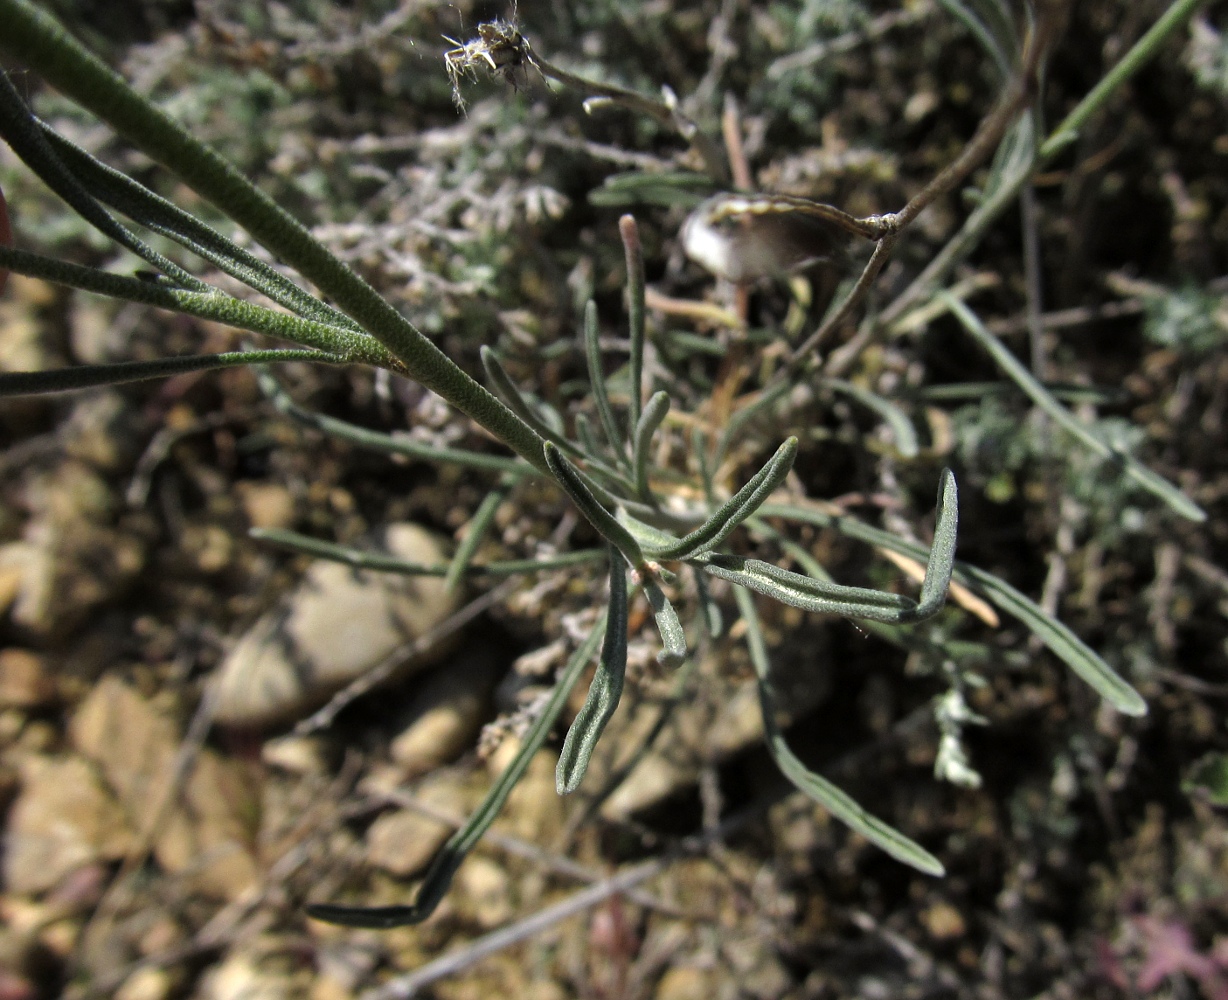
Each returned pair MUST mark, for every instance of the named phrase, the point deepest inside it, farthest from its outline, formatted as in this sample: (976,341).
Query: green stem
(88,376)
(1140,53)
(35,38)
(216,306)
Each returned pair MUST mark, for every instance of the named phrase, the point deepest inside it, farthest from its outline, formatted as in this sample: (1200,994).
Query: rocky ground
(175,782)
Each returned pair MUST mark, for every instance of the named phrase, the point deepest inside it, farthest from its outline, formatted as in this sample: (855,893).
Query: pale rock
(207,834)
(402,843)
(337,624)
(27,344)
(25,681)
(685,982)
(446,713)
(59,572)
(63,820)
(146,984)
(701,731)
(303,755)
(101,431)
(131,742)
(241,977)
(484,892)
(267,505)
(14,560)
(534,809)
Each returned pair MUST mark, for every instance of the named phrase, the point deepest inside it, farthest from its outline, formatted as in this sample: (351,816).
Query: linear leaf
(386,443)
(448,860)
(605,690)
(592,352)
(736,509)
(645,428)
(154,212)
(1060,640)
(1150,481)
(120,372)
(901,427)
(831,798)
(634,253)
(673,638)
(384,563)
(601,519)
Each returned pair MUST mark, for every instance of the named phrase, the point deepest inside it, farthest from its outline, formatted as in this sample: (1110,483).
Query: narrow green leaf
(605,690)
(20,129)
(634,253)
(385,443)
(901,427)
(803,592)
(475,531)
(1062,642)
(708,607)
(121,372)
(143,206)
(745,415)
(736,509)
(589,444)
(391,564)
(942,553)
(1155,484)
(601,399)
(211,305)
(601,519)
(673,638)
(831,798)
(989,38)
(506,390)
(1142,52)
(645,428)
(448,860)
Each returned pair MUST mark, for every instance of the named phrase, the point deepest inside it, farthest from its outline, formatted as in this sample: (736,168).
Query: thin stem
(34,37)
(1140,53)
(633,250)
(88,376)
(983,142)
(212,305)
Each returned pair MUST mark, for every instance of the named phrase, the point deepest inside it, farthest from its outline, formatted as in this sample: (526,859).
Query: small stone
(210,547)
(64,569)
(534,809)
(485,892)
(146,984)
(335,626)
(63,820)
(25,681)
(241,977)
(209,837)
(303,755)
(208,831)
(402,843)
(943,922)
(267,505)
(132,743)
(446,714)
(684,982)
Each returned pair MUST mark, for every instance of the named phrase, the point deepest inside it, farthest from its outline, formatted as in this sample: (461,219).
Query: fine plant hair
(651,539)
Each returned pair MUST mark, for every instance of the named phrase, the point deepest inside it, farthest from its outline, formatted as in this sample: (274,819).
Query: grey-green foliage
(1207,56)
(613,483)
(1187,319)
(610,481)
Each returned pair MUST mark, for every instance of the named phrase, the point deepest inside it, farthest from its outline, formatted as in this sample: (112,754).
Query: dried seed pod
(744,237)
